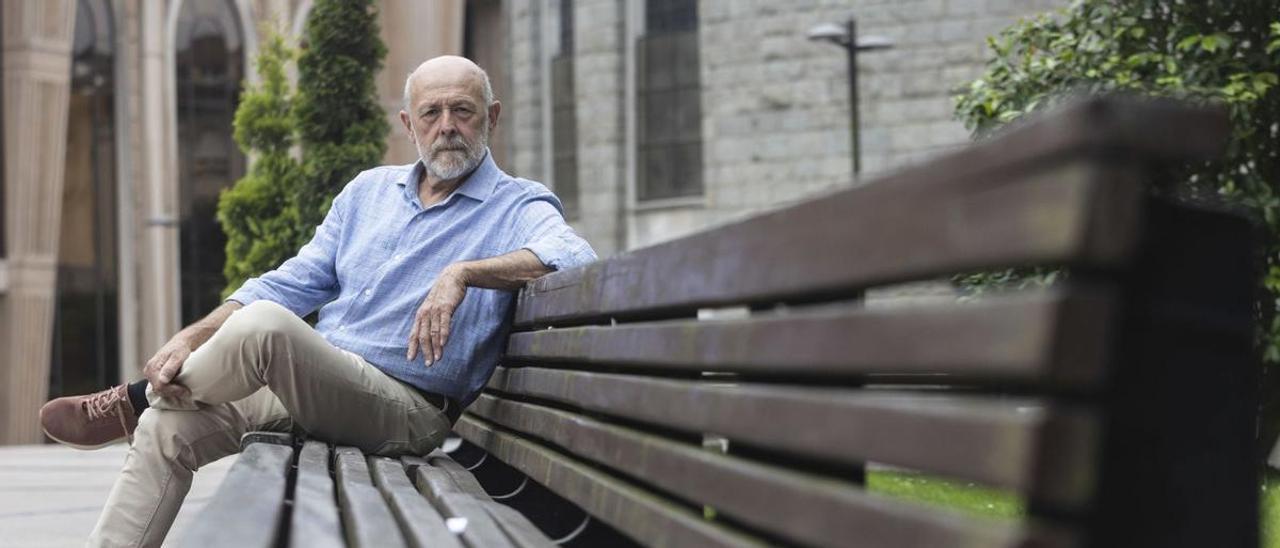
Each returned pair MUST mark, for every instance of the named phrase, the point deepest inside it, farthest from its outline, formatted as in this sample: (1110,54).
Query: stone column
(600,86)
(37,81)
(522,107)
(159,262)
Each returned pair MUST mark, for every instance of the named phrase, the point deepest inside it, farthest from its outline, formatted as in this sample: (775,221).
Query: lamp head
(830,32)
(869,43)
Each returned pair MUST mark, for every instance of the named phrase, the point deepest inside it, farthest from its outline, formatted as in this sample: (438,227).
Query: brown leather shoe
(92,421)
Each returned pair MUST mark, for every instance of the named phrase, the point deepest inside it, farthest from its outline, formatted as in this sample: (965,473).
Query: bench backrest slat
(838,245)
(634,511)
(1006,340)
(803,508)
(994,441)
(1012,201)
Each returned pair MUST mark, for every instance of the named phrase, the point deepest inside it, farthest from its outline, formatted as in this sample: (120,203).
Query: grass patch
(967,497)
(978,500)
(1269,505)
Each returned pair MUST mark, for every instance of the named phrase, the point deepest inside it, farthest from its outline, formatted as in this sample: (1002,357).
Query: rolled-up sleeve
(541,228)
(307,280)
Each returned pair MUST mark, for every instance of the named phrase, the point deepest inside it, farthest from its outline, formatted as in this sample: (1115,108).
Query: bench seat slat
(1054,337)
(367,519)
(246,510)
(421,524)
(517,527)
(453,502)
(315,521)
(807,509)
(996,441)
(638,513)
(462,479)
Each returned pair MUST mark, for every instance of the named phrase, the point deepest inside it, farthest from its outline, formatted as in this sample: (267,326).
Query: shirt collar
(478,186)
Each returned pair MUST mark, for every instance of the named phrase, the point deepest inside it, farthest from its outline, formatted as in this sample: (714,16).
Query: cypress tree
(334,117)
(258,213)
(341,126)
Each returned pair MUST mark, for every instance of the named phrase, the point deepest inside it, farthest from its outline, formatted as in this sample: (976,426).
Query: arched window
(85,331)
(210,67)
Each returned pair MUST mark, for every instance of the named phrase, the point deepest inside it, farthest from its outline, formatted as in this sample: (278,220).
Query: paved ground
(51,495)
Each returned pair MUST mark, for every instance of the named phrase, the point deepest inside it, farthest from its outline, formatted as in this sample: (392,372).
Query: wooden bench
(316,495)
(732,387)
(729,387)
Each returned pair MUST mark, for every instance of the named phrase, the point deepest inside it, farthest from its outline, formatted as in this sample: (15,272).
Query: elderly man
(385,369)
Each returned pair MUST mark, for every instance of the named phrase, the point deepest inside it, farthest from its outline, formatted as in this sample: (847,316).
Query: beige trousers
(265,369)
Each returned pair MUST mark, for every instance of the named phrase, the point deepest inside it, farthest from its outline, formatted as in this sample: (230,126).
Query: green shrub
(258,213)
(341,127)
(334,119)
(1220,51)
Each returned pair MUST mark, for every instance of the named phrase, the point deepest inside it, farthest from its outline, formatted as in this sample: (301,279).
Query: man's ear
(408,128)
(494,110)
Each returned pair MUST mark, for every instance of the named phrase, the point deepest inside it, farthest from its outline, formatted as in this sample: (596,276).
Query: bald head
(448,113)
(448,71)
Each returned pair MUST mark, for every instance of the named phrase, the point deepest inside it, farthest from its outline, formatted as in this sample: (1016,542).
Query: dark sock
(138,397)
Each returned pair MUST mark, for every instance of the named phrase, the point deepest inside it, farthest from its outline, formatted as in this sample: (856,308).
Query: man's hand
(163,367)
(431,324)
(508,272)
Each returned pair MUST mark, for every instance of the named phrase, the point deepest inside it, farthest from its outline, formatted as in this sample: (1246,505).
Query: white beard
(451,164)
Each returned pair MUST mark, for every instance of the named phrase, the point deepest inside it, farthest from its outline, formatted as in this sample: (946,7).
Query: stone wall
(599,88)
(599,92)
(775,105)
(522,107)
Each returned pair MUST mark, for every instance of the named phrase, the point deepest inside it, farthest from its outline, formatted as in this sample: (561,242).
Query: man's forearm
(197,333)
(507,272)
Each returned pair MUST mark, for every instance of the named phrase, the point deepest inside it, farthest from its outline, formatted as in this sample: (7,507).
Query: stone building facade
(774,106)
(652,118)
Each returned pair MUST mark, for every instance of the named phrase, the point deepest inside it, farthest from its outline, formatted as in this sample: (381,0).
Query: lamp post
(846,36)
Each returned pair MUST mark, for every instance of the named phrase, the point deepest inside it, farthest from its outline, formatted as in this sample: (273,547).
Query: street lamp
(846,36)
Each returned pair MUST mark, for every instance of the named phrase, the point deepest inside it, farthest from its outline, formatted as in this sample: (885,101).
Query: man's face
(449,124)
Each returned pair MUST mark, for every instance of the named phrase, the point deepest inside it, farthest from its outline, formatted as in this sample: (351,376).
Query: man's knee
(261,318)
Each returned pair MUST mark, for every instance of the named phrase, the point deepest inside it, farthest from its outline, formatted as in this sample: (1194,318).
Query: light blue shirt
(375,256)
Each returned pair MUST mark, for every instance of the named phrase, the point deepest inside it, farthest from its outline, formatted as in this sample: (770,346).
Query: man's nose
(448,124)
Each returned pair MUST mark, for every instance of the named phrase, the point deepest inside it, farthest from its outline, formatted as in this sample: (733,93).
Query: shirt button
(342,328)
(368,292)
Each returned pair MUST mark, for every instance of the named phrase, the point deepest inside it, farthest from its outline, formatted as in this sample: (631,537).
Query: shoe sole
(76,445)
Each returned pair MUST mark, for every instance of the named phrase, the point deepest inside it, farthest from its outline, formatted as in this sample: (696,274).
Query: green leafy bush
(341,127)
(1220,51)
(335,121)
(258,213)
